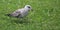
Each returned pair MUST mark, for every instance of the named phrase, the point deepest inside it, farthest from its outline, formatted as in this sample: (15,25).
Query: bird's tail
(8,14)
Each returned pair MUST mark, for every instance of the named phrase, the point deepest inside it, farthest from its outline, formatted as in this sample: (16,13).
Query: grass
(45,15)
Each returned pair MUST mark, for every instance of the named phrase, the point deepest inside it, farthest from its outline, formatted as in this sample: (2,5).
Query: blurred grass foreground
(45,15)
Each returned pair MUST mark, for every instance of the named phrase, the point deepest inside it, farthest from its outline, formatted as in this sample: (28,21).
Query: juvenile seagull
(21,12)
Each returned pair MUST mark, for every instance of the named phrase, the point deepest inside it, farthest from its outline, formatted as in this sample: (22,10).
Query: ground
(45,15)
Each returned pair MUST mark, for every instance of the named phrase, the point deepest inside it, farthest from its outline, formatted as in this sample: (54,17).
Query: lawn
(45,15)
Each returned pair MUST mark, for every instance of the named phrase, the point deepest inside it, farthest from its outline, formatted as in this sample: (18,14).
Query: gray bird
(21,12)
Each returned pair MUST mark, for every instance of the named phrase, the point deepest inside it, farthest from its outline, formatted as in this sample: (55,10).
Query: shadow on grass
(22,21)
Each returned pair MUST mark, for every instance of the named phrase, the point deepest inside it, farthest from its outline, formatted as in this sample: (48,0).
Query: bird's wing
(15,13)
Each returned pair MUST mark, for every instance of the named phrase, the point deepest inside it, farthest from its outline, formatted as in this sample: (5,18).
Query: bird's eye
(28,7)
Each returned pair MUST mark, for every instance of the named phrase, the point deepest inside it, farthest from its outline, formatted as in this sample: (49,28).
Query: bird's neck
(27,9)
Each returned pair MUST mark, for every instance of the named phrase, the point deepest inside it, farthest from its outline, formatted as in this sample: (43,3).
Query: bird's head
(28,7)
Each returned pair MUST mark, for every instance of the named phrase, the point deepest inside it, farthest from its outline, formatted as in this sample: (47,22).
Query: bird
(20,13)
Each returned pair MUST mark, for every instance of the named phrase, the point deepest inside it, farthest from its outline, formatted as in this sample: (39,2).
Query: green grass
(45,15)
